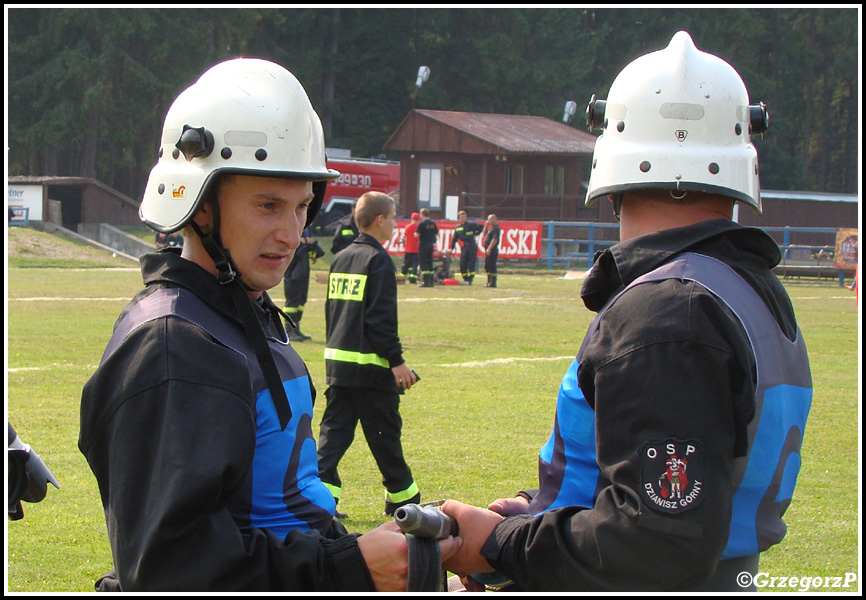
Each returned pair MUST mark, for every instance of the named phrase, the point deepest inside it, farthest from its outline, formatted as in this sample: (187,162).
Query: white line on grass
(51,367)
(481,363)
(485,300)
(502,361)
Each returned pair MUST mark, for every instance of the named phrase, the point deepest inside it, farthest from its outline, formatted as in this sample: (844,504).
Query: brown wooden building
(519,167)
(803,209)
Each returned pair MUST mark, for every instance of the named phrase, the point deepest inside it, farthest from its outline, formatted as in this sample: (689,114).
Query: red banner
(520,239)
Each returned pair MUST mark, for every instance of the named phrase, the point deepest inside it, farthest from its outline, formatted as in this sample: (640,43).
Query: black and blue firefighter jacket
(676,443)
(202,488)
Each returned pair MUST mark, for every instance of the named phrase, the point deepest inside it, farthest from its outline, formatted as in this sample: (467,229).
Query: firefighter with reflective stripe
(427,234)
(296,284)
(695,353)
(347,231)
(365,370)
(197,423)
(467,233)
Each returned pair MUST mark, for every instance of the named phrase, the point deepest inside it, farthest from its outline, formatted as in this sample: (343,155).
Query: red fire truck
(357,176)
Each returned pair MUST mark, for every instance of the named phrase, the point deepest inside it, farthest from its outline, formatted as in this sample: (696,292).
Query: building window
(554,181)
(513,179)
(430,187)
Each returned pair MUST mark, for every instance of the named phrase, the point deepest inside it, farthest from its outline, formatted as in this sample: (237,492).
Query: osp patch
(672,475)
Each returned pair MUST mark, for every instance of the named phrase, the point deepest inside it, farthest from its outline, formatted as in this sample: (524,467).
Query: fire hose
(424,525)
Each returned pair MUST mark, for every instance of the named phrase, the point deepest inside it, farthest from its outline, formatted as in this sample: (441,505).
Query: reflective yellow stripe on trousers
(404,495)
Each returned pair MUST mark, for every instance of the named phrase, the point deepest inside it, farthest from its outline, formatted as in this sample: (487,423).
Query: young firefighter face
(261,221)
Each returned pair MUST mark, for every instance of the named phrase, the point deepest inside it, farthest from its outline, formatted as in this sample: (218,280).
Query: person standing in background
(427,234)
(346,232)
(296,284)
(410,249)
(491,235)
(365,370)
(467,233)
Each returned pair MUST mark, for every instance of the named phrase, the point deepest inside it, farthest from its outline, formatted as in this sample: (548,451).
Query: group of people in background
(467,233)
(365,371)
(420,237)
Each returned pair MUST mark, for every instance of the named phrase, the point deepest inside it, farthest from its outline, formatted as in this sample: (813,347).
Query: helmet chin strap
(227,271)
(230,277)
(617,205)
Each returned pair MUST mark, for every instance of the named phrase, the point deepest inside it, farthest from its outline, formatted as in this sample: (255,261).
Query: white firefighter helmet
(677,119)
(244,116)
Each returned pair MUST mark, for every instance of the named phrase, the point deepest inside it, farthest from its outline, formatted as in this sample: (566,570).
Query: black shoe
(391,507)
(340,516)
(296,335)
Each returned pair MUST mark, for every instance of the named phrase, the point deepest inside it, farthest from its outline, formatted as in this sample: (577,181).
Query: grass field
(491,362)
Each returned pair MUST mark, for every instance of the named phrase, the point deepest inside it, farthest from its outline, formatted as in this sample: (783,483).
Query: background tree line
(88,89)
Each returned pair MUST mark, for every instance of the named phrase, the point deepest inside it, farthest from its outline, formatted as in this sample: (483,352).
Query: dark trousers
(490,262)
(468,261)
(296,286)
(380,419)
(425,258)
(410,266)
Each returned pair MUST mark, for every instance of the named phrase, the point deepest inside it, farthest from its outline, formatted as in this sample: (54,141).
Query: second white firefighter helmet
(677,119)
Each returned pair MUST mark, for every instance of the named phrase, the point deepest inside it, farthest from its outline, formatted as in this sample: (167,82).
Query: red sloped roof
(507,133)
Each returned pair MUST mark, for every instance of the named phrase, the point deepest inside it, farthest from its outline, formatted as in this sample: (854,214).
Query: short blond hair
(370,205)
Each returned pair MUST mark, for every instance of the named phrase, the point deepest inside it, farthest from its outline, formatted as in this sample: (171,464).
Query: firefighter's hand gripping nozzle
(425,521)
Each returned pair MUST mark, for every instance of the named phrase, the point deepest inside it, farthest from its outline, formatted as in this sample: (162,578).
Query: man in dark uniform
(491,236)
(676,443)
(467,234)
(428,234)
(347,231)
(196,424)
(296,284)
(366,373)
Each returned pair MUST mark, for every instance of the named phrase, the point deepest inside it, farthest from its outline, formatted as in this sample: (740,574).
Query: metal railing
(578,249)
(574,244)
